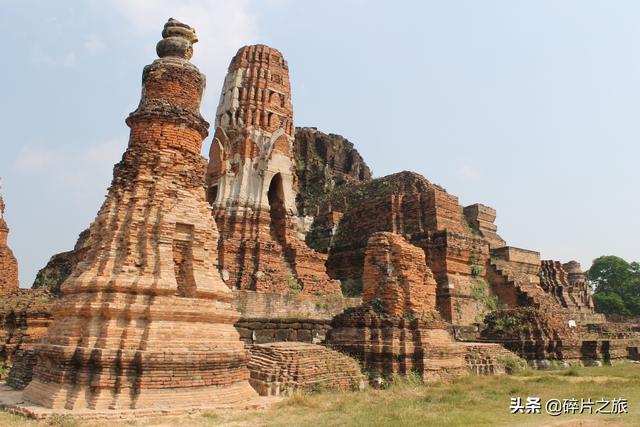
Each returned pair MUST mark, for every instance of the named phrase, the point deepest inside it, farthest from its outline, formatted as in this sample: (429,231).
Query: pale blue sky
(531,107)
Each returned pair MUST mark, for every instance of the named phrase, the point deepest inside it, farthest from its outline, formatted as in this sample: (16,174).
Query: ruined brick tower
(252,182)
(8,262)
(145,320)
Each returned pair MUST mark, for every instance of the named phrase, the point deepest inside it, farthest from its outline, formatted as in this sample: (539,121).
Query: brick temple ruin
(279,264)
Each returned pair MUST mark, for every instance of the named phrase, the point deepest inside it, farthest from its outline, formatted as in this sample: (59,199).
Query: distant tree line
(616,285)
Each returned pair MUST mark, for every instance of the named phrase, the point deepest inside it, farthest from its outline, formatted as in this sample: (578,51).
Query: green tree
(616,285)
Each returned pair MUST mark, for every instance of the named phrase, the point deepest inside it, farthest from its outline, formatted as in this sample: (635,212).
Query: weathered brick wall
(24,318)
(252,304)
(252,257)
(8,263)
(268,317)
(387,345)
(491,359)
(396,273)
(282,368)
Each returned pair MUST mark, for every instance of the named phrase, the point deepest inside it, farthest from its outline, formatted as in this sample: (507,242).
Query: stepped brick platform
(252,182)
(8,263)
(283,367)
(145,320)
(13,402)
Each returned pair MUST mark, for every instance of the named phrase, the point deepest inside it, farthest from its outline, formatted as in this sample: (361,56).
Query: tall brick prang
(145,319)
(252,184)
(8,263)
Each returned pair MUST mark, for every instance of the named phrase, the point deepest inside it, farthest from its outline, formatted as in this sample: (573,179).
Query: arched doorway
(277,207)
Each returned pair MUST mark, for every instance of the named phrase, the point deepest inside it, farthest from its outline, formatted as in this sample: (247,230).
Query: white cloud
(94,44)
(222,27)
(81,169)
(69,59)
(40,57)
(32,159)
(468,170)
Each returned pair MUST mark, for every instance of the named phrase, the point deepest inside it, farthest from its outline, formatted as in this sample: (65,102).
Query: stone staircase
(526,290)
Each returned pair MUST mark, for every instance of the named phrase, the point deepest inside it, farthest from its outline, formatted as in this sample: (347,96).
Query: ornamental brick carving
(252,183)
(145,319)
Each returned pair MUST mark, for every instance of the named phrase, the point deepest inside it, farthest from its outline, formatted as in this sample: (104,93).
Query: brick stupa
(8,262)
(145,320)
(252,184)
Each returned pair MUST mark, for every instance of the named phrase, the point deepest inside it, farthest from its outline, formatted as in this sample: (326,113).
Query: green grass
(469,401)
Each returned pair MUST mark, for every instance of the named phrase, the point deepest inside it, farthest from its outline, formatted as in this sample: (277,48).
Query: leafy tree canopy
(616,285)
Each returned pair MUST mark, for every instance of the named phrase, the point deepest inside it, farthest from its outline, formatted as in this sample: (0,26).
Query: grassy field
(470,401)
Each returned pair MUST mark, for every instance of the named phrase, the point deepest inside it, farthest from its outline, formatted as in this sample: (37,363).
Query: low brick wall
(265,330)
(295,317)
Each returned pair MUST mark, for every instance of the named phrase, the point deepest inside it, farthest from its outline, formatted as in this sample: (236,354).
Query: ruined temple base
(12,401)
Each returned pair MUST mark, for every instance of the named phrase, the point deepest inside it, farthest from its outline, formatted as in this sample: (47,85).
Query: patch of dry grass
(470,401)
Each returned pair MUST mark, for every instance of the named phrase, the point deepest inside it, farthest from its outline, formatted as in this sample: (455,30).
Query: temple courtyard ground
(469,401)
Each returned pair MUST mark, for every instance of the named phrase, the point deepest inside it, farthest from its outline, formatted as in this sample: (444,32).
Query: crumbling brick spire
(145,320)
(252,184)
(8,262)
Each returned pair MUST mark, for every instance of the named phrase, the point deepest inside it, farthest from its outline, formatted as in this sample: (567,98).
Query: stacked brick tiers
(252,182)
(8,262)
(145,320)
(281,368)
